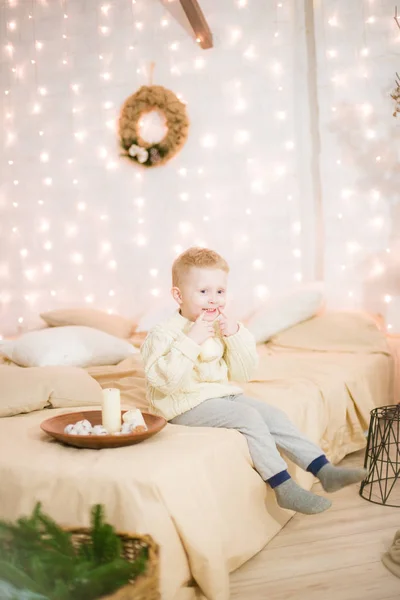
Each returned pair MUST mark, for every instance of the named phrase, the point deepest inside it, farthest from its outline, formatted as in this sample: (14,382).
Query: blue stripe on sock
(278,479)
(316,465)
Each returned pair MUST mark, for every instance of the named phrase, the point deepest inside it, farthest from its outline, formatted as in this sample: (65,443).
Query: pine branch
(10,573)
(38,555)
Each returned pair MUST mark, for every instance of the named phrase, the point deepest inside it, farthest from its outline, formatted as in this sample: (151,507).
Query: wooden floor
(331,556)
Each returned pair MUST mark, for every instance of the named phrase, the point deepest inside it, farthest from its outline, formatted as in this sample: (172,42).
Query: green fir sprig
(38,556)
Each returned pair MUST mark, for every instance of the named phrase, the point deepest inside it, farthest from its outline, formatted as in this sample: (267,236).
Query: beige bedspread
(194,490)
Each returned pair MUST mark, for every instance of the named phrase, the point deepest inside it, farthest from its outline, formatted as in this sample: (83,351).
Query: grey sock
(335,478)
(291,496)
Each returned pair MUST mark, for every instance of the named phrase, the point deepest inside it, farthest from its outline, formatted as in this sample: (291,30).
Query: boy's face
(202,290)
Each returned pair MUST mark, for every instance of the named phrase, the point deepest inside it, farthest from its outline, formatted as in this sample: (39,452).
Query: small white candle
(111,410)
(134,417)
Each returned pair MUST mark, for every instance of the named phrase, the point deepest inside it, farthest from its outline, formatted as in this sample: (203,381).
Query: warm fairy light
(346,193)
(141,240)
(77,258)
(377,269)
(250,53)
(353,247)
(80,135)
(296,227)
(236,34)
(258,264)
(44,226)
(209,140)
(67,176)
(185,227)
(241,137)
(378,222)
(240,105)
(261,291)
(277,68)
(366,109)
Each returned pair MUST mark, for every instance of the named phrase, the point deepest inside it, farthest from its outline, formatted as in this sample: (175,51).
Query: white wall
(358,54)
(63,222)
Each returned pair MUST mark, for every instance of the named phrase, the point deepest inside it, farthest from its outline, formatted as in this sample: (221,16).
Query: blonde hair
(202,258)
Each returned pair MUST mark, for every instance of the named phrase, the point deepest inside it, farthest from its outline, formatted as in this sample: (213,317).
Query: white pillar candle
(111,410)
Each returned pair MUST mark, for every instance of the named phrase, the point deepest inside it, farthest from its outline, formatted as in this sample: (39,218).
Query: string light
(266,166)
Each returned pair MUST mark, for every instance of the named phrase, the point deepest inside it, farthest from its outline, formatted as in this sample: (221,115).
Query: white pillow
(282,313)
(71,346)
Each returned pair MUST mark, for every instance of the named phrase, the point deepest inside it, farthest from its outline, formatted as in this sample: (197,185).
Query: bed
(194,490)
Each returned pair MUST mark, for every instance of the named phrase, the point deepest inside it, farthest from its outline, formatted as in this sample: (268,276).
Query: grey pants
(264,427)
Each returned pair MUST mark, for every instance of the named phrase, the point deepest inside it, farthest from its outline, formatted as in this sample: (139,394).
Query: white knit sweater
(180,374)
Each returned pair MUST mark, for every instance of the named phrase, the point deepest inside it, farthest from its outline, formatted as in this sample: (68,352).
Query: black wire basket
(382,457)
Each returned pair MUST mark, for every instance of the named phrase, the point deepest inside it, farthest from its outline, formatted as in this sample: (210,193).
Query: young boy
(188,362)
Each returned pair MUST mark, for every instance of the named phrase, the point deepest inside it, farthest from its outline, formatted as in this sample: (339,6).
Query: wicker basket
(144,587)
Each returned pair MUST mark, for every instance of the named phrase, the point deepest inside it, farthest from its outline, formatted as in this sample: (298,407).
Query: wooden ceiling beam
(198,23)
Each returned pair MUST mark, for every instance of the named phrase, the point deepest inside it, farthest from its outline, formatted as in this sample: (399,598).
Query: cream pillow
(89,317)
(66,346)
(25,390)
(335,332)
(282,313)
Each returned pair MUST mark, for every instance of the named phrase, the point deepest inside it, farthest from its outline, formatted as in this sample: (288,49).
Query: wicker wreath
(145,100)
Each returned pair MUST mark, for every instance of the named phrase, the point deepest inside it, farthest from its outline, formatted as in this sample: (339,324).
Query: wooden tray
(56,425)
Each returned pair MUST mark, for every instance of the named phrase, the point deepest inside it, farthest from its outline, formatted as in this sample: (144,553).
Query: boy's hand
(227,325)
(201,330)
